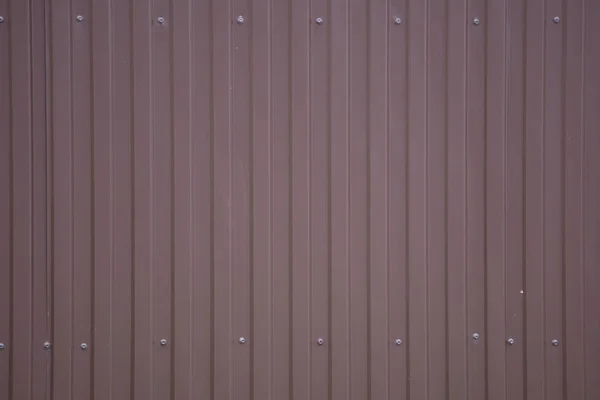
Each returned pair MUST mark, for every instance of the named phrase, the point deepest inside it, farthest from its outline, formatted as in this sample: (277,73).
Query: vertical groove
(563,211)
(583,190)
(211,73)
(407,205)
(171,122)
(132,221)
(446,222)
(93,213)
(72,205)
(486,358)
(290,190)
(11,207)
(49,164)
(369,233)
(524,183)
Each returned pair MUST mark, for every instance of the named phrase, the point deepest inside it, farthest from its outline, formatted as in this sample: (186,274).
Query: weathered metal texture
(324,199)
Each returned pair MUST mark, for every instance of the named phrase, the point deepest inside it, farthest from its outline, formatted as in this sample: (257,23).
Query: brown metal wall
(169,172)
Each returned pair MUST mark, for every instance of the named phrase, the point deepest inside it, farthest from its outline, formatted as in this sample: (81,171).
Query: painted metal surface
(327,199)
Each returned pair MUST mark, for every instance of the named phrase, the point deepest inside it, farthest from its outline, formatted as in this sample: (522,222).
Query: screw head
(240,19)
(476,336)
(79,18)
(554,342)
(84,346)
(320,341)
(1,346)
(397,20)
(47,345)
(398,342)
(319,20)
(510,341)
(160,20)
(556,19)
(1,19)
(163,342)
(242,340)
(476,21)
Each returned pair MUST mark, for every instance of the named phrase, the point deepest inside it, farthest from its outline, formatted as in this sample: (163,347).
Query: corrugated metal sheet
(412,182)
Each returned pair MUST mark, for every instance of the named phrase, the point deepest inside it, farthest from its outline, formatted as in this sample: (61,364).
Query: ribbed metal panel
(326,199)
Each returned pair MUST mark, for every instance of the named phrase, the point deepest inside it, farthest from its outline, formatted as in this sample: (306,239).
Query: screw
(476,336)
(163,342)
(1,19)
(397,21)
(79,18)
(398,342)
(320,341)
(47,345)
(510,341)
(556,20)
(554,342)
(242,340)
(476,21)
(319,20)
(240,19)
(160,20)
(1,346)
(83,346)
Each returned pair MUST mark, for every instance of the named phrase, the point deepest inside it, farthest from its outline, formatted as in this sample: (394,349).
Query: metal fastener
(240,19)
(319,20)
(554,342)
(476,21)
(242,340)
(1,346)
(163,342)
(556,19)
(476,336)
(320,341)
(47,345)
(83,346)
(79,18)
(160,20)
(397,20)
(510,341)
(398,342)
(1,19)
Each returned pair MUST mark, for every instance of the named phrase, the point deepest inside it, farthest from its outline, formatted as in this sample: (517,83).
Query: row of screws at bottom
(320,342)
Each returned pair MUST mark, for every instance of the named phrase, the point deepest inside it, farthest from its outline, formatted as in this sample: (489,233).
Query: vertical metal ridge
(11,223)
(494,199)
(172,265)
(132,219)
(72,204)
(183,213)
(592,194)
(290,202)
(574,282)
(339,328)
(6,207)
(434,199)
(39,212)
(563,194)
(378,22)
(446,107)
(111,193)
(583,204)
